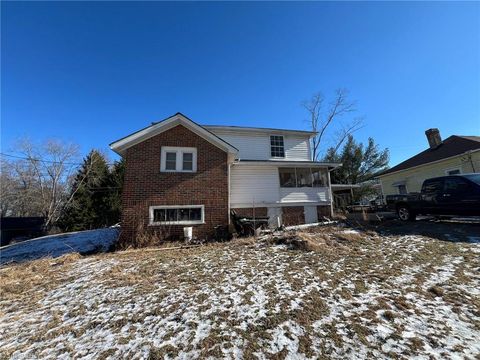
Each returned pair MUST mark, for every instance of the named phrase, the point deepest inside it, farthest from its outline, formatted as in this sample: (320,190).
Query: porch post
(330,193)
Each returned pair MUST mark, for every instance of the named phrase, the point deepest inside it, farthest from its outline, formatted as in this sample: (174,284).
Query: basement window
(277,147)
(178,159)
(177,215)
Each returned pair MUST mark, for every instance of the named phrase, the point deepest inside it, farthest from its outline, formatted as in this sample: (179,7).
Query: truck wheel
(405,214)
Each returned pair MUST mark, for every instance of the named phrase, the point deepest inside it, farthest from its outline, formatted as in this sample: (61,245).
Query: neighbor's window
(402,189)
(277,148)
(302,177)
(177,215)
(453,172)
(178,159)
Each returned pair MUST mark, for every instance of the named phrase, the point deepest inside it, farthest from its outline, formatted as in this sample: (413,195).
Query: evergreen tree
(114,198)
(358,163)
(87,209)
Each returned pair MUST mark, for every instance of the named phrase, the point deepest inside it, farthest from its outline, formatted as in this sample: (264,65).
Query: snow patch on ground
(371,303)
(57,245)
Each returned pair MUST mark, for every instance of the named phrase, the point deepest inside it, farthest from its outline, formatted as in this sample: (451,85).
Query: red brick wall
(145,185)
(293,215)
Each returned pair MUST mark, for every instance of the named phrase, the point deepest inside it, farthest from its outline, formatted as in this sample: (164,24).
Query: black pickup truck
(457,195)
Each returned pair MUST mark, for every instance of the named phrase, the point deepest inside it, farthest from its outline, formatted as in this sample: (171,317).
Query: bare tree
(41,175)
(321,119)
(345,131)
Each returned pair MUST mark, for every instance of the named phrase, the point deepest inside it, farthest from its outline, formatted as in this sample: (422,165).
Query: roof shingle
(451,146)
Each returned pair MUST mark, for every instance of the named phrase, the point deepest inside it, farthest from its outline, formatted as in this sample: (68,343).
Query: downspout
(471,160)
(228,175)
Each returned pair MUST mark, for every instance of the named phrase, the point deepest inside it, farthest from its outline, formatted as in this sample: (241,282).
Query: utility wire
(49,161)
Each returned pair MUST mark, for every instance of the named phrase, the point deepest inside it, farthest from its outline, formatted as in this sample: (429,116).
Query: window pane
(172,214)
(287,177)
(320,178)
(456,186)
(433,186)
(171,161)
(159,215)
(304,177)
(454,172)
(188,161)
(402,189)
(277,148)
(195,214)
(183,214)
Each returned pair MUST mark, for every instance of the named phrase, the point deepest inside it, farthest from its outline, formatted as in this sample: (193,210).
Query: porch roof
(287,163)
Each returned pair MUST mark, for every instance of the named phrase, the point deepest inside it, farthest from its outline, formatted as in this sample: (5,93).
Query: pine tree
(358,163)
(88,206)
(114,198)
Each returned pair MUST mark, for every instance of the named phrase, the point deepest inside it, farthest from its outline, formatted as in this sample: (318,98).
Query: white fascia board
(279,204)
(283,163)
(121,145)
(426,164)
(239,129)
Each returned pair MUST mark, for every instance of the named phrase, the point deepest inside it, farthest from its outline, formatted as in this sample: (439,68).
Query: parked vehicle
(457,195)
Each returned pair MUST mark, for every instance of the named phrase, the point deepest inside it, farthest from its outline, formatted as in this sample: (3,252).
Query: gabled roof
(259,130)
(451,146)
(124,143)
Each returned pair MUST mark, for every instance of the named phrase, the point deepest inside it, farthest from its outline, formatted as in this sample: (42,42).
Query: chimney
(434,139)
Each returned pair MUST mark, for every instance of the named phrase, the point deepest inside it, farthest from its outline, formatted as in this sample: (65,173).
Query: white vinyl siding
(253,146)
(254,184)
(297,148)
(304,194)
(260,185)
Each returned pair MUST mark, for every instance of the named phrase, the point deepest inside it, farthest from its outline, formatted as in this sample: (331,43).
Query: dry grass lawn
(357,294)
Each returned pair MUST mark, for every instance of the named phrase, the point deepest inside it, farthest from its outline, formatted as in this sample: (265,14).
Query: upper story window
(277,148)
(178,159)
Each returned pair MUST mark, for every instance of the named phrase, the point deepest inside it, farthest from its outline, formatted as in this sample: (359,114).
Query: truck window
(432,186)
(456,186)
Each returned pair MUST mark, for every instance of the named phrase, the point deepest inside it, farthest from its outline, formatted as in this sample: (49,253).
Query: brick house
(179,173)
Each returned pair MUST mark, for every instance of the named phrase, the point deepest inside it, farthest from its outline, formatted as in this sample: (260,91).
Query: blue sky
(94,72)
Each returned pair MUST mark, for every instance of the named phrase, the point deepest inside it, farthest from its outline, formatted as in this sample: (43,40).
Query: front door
(311,215)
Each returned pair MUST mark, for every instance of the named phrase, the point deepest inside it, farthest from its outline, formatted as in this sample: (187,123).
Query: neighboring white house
(455,155)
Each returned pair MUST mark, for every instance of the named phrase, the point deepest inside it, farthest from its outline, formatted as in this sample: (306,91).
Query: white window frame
(453,169)
(179,151)
(312,170)
(270,142)
(181,222)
